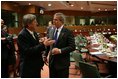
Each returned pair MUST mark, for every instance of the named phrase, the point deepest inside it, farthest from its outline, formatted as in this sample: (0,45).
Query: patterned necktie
(55,36)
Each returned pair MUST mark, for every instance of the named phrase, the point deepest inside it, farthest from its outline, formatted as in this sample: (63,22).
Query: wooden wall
(82,13)
(10,6)
(17,30)
(76,29)
(86,29)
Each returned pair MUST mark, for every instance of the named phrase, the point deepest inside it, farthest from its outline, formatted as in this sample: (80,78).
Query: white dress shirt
(31,32)
(59,31)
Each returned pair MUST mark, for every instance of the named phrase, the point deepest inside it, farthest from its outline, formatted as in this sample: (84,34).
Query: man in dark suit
(30,48)
(59,56)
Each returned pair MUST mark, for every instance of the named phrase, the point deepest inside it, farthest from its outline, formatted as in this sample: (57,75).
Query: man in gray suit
(59,56)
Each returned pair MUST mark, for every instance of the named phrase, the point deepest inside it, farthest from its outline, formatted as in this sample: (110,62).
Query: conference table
(106,57)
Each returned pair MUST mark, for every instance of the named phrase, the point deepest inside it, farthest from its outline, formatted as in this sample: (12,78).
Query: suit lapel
(36,36)
(59,38)
(61,35)
(30,36)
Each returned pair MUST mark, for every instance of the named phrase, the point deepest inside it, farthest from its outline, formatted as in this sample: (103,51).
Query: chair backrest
(88,70)
(77,57)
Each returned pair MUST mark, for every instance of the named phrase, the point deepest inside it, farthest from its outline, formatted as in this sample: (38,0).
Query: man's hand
(3,38)
(42,39)
(48,41)
(56,51)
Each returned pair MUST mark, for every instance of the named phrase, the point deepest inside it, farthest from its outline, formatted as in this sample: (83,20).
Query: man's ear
(29,24)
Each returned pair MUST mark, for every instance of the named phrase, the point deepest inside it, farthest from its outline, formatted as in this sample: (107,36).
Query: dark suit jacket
(30,52)
(7,53)
(7,48)
(4,48)
(66,43)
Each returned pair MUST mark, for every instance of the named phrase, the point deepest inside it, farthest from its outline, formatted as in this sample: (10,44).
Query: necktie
(55,36)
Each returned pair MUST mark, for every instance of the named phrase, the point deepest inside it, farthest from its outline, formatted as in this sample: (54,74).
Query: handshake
(47,41)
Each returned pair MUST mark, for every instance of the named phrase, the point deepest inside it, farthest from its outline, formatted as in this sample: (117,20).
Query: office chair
(89,70)
(112,66)
(77,57)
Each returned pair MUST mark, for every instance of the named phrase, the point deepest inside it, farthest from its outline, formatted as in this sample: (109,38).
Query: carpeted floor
(73,72)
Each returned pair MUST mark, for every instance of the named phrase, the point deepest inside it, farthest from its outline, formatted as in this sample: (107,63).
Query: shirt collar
(59,28)
(31,32)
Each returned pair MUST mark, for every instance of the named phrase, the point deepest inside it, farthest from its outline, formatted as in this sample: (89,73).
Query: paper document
(95,53)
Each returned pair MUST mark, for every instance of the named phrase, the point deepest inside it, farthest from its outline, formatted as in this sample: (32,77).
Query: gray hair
(28,18)
(61,17)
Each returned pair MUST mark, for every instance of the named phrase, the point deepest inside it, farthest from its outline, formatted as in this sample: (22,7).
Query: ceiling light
(81,7)
(71,5)
(114,9)
(99,9)
(105,9)
(49,4)
(29,3)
